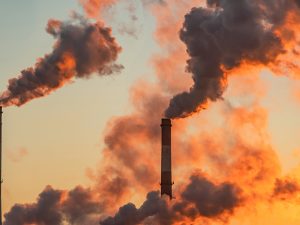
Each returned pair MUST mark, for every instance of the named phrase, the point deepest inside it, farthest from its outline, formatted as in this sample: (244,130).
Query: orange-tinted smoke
(288,64)
(225,34)
(81,49)
(93,8)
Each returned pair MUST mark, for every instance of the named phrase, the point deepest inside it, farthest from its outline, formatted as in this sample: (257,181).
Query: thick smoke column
(222,37)
(81,48)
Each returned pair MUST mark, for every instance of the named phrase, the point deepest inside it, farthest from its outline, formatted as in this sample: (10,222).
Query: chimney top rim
(166,122)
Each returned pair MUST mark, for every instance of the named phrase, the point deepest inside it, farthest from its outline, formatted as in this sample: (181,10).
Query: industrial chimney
(166,172)
(0,165)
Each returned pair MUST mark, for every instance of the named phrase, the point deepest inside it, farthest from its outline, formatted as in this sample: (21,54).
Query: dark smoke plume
(209,199)
(43,212)
(201,197)
(130,215)
(81,48)
(222,37)
(80,205)
(55,207)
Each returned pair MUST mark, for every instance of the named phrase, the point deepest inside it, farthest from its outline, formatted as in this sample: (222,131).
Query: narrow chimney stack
(0,165)
(166,159)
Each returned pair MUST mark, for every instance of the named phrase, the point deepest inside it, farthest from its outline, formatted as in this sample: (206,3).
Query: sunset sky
(68,138)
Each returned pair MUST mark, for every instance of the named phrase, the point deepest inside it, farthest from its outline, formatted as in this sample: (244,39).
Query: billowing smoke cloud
(154,207)
(81,48)
(42,212)
(210,200)
(55,207)
(222,37)
(201,197)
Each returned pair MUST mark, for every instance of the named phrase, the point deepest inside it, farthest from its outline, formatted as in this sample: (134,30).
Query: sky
(62,139)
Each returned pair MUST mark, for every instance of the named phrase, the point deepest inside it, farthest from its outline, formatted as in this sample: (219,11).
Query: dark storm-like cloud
(220,38)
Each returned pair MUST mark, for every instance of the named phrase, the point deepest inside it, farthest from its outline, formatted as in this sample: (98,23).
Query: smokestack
(0,165)
(166,173)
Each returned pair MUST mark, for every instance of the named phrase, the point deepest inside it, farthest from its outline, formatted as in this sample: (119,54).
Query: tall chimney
(0,165)
(166,171)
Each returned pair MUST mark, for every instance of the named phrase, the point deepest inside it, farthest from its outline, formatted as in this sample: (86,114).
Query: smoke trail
(81,48)
(221,38)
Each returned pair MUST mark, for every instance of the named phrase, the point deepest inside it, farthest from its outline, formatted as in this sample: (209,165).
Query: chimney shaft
(166,166)
(0,165)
